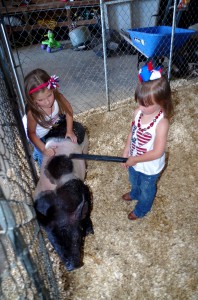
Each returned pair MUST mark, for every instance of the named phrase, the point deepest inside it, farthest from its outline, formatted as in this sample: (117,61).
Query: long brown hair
(155,91)
(33,80)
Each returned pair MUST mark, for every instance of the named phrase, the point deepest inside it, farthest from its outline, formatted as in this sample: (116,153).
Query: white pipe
(104,51)
(172,39)
(117,2)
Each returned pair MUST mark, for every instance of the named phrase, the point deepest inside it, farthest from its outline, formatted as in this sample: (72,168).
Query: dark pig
(63,202)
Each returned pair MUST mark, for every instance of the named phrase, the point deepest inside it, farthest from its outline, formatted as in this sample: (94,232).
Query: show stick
(98,157)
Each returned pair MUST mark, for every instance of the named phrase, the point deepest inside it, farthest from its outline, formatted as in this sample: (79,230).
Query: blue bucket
(156,41)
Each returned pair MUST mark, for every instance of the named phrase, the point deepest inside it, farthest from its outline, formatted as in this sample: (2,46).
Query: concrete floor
(82,75)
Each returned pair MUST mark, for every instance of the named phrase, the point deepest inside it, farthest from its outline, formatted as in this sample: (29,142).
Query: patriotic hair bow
(147,72)
(53,82)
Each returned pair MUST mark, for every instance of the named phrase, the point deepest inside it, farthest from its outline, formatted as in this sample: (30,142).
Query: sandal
(132,216)
(126,197)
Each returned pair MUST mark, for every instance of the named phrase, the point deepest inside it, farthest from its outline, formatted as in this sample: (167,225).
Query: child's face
(44,99)
(151,109)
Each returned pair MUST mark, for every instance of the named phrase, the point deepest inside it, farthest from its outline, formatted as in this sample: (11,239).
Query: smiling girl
(47,109)
(146,142)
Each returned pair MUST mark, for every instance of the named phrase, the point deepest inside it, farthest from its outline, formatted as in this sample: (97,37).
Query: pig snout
(73,265)
(72,256)
(68,246)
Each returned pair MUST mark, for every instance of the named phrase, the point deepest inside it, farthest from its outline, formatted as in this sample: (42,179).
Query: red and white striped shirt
(142,142)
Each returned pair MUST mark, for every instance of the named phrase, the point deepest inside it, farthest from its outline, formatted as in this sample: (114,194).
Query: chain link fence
(22,245)
(91,49)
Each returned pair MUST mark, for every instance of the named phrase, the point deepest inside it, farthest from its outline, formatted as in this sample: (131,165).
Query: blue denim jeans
(38,156)
(143,189)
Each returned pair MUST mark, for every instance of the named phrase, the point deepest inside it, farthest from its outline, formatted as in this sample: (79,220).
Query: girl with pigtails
(48,114)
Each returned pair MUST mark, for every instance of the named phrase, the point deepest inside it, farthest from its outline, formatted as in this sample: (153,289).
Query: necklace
(151,124)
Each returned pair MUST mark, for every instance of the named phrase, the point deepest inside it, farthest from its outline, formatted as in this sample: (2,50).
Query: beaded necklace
(48,115)
(151,124)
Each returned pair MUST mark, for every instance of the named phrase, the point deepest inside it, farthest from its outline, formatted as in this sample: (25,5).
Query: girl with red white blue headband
(146,142)
(49,114)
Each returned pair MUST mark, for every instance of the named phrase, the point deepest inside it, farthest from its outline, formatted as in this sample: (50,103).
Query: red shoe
(126,197)
(132,216)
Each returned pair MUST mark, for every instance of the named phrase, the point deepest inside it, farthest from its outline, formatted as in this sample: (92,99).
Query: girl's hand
(124,163)
(131,161)
(49,152)
(72,136)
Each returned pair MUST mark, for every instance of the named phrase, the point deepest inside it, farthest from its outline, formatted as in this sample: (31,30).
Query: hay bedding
(154,257)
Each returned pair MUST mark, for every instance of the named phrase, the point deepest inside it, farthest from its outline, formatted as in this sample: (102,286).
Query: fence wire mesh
(90,43)
(22,246)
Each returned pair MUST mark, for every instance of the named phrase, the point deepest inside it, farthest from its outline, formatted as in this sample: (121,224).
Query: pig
(63,203)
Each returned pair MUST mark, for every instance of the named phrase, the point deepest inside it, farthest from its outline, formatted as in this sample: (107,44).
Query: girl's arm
(69,118)
(126,149)
(158,147)
(31,132)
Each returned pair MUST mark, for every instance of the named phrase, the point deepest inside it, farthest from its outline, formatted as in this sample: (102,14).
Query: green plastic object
(50,42)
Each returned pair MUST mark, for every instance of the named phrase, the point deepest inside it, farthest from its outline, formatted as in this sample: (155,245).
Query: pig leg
(87,226)
(86,220)
(85,144)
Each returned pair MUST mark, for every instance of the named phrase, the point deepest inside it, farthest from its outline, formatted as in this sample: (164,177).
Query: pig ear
(44,201)
(77,215)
